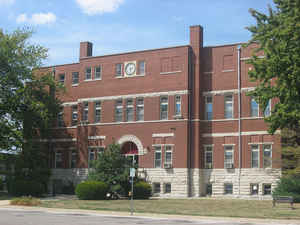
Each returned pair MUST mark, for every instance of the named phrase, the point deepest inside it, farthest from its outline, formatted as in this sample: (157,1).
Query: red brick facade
(191,75)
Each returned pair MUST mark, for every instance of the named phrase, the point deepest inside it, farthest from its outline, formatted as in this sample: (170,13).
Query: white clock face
(130,68)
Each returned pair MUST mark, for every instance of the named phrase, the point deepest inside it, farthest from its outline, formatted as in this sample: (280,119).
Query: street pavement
(16,215)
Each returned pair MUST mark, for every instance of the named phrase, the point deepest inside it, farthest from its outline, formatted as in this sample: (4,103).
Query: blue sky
(116,26)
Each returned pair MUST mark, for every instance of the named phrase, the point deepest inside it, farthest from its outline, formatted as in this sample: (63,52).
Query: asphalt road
(10,216)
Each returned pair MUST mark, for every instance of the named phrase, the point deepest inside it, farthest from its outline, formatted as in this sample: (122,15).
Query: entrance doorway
(130,150)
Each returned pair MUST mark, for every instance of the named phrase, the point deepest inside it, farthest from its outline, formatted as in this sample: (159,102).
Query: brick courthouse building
(182,111)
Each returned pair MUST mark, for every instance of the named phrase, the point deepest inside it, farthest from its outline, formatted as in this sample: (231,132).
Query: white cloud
(92,7)
(7,2)
(37,18)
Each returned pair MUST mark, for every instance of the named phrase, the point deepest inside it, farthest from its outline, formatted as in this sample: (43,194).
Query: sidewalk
(4,205)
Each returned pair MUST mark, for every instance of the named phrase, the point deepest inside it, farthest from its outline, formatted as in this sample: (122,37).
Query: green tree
(112,168)
(28,107)
(278,72)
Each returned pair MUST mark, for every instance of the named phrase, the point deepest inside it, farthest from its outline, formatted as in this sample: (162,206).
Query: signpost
(132,175)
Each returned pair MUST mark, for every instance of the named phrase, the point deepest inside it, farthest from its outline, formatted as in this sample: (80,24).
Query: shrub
(142,190)
(288,186)
(1,184)
(26,201)
(91,190)
(68,188)
(26,188)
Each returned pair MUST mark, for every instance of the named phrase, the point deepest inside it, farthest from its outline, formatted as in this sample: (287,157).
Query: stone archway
(133,139)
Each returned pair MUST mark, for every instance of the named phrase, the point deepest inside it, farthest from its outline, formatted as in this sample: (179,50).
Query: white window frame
(176,113)
(154,190)
(229,165)
(156,150)
(161,104)
(263,147)
(75,80)
(165,187)
(140,107)
(95,72)
(206,107)
(85,116)
(97,108)
(117,69)
(270,111)
(258,153)
(139,65)
(254,187)
(86,73)
(206,151)
(251,108)
(229,102)
(263,188)
(74,122)
(119,107)
(166,150)
(129,107)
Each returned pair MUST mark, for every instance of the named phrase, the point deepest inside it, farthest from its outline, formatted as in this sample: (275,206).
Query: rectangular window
(75,78)
(61,78)
(267,156)
(208,107)
(141,67)
(88,73)
(228,157)
(74,115)
(119,111)
(228,107)
(254,156)
(208,189)
(73,159)
(167,188)
(157,157)
(254,189)
(60,120)
(58,159)
(85,115)
(254,108)
(267,189)
(97,105)
(267,111)
(177,105)
(140,109)
(97,72)
(92,154)
(208,152)
(118,70)
(129,110)
(168,156)
(156,187)
(228,188)
(164,108)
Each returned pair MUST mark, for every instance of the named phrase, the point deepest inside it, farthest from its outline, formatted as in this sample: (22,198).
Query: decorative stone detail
(135,140)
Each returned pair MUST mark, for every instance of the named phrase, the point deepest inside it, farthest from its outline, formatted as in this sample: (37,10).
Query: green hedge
(288,186)
(91,190)
(1,184)
(142,190)
(26,188)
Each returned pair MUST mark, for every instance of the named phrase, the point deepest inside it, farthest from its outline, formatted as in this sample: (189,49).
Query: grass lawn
(196,207)
(4,196)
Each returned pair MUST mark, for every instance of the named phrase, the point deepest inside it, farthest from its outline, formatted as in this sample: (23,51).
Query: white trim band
(96,137)
(163,135)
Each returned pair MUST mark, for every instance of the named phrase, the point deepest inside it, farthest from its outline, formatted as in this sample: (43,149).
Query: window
(208,152)
(164,108)
(157,157)
(254,108)
(167,188)
(92,154)
(61,78)
(168,156)
(267,111)
(97,105)
(208,108)
(75,78)
(267,189)
(229,160)
(228,107)
(119,111)
(209,189)
(140,109)
(254,156)
(58,159)
(60,120)
(141,67)
(254,189)
(73,159)
(88,73)
(228,188)
(85,115)
(118,70)
(129,110)
(156,187)
(177,105)
(97,72)
(74,115)
(267,156)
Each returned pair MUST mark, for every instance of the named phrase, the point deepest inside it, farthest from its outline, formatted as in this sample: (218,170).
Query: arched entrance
(130,150)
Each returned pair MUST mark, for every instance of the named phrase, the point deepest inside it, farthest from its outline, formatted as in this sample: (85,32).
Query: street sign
(132,172)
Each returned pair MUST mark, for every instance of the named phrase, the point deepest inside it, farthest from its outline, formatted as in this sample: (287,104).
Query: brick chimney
(86,49)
